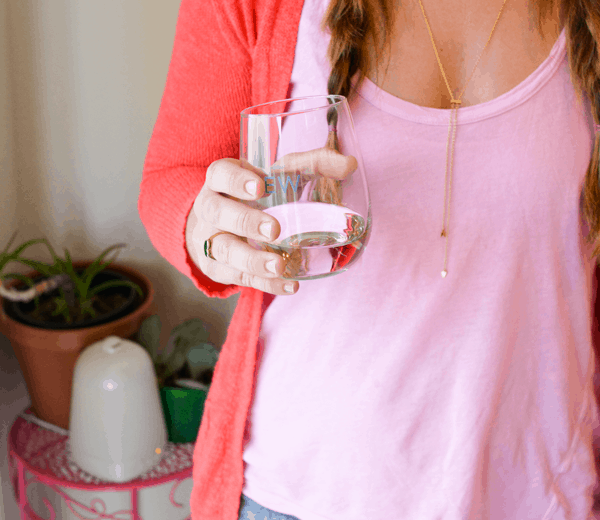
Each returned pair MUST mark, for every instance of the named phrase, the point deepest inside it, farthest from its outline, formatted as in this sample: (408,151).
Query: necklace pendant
(444,273)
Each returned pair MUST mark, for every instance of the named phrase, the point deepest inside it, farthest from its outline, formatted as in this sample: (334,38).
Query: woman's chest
(514,51)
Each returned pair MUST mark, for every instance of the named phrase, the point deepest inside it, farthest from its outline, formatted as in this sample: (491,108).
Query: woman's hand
(216,209)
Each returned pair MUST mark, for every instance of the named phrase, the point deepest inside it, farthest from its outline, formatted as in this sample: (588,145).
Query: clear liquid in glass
(316,238)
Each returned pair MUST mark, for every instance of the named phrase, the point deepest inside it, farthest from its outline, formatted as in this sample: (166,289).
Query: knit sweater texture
(242,51)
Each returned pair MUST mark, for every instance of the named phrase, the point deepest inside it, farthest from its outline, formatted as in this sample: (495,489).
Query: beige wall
(8,209)
(77,104)
(8,205)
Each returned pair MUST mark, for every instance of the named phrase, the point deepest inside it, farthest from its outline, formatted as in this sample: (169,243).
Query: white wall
(78,105)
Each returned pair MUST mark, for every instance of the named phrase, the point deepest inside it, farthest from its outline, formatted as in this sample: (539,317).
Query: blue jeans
(250,510)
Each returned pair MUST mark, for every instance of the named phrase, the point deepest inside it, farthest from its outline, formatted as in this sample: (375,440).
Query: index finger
(321,161)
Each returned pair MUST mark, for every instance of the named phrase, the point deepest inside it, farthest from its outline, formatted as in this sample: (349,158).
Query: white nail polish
(271,266)
(265,229)
(251,187)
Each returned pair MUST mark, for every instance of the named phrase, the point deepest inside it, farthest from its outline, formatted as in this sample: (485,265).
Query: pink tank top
(389,392)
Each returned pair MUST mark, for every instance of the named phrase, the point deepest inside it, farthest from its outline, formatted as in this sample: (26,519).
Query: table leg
(22,490)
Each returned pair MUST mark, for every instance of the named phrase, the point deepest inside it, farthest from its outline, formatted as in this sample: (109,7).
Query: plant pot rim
(10,327)
(16,310)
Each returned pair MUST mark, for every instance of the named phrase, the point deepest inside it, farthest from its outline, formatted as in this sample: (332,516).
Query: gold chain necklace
(455,103)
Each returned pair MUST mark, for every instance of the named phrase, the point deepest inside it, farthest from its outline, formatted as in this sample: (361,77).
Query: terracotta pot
(47,357)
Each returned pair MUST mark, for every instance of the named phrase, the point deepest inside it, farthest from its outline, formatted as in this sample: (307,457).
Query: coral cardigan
(227,55)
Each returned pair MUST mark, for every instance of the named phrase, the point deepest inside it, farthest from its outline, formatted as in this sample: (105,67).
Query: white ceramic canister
(117,426)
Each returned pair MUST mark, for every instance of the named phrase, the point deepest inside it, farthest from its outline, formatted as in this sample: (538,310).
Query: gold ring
(208,245)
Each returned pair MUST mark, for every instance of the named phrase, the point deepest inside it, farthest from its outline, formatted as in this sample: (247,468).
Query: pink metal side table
(49,486)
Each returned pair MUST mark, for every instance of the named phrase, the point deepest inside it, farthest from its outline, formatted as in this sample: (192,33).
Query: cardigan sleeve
(208,84)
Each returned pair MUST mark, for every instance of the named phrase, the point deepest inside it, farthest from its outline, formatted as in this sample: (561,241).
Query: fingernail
(289,287)
(266,228)
(272,266)
(251,187)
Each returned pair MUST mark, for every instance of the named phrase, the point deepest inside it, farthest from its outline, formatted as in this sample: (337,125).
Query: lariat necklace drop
(455,103)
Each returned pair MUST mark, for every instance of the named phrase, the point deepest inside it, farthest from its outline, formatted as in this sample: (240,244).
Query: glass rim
(340,99)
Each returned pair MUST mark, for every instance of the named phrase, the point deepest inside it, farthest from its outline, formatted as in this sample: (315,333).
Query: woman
(390,391)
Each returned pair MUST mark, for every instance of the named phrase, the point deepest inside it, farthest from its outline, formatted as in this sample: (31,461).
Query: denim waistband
(251,510)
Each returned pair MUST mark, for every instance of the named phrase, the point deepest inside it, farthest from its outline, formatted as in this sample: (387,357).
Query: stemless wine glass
(325,217)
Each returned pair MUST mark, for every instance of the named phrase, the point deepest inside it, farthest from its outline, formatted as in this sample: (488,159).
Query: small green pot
(183,408)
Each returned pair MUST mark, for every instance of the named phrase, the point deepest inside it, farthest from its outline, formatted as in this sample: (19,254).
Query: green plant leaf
(68,258)
(6,257)
(40,267)
(68,266)
(61,308)
(27,244)
(15,255)
(149,336)
(12,239)
(70,270)
(79,284)
(190,332)
(201,356)
(22,277)
(96,266)
(87,307)
(93,269)
(115,283)
(57,260)
(174,363)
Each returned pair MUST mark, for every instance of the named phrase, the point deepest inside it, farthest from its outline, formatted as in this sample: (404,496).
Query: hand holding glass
(315,187)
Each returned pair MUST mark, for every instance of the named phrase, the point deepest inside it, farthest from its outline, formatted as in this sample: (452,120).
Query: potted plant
(53,312)
(184,372)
